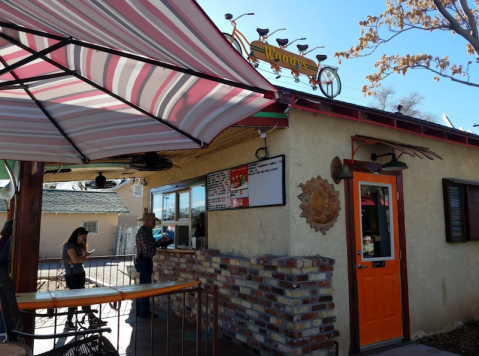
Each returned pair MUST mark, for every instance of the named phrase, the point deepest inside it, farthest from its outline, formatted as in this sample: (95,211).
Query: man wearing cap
(145,250)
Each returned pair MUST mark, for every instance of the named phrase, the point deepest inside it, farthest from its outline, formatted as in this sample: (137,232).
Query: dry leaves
(417,15)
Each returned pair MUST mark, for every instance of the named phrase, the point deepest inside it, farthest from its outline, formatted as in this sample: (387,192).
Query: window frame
(178,188)
(465,215)
(96,222)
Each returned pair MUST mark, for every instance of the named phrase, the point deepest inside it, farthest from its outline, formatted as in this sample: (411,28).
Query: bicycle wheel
(329,82)
(235,43)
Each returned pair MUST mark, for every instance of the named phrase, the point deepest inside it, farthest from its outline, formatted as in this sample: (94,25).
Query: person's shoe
(148,316)
(69,325)
(97,323)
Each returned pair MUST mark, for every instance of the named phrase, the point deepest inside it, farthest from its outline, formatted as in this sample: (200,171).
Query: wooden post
(26,235)
(11,209)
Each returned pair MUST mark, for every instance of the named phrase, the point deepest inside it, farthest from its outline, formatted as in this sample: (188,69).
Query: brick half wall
(270,305)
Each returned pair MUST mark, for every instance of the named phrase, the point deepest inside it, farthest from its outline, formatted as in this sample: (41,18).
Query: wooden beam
(263,122)
(26,239)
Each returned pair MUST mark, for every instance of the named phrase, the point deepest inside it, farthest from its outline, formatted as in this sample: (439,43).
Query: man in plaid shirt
(146,246)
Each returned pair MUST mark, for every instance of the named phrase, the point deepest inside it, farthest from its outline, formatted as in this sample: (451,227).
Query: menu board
(251,185)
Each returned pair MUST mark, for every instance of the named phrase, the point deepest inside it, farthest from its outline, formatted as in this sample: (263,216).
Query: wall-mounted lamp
(393,165)
(339,170)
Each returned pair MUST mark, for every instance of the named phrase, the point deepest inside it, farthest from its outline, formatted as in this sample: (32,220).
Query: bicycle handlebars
(250,13)
(298,39)
(279,29)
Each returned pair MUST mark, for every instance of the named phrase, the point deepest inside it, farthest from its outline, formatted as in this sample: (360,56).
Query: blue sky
(334,24)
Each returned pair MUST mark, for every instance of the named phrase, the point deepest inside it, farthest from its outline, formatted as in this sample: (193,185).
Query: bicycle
(237,42)
(325,76)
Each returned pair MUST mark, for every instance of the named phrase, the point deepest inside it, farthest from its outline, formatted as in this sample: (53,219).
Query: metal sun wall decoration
(320,204)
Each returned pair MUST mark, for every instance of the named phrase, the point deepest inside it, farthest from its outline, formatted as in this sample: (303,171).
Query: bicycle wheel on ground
(235,43)
(329,82)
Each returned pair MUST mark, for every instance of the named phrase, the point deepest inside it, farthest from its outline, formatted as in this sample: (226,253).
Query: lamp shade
(394,165)
(344,173)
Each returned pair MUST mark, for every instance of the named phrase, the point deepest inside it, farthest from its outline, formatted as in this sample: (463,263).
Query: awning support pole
(11,83)
(92,83)
(45,112)
(34,56)
(139,58)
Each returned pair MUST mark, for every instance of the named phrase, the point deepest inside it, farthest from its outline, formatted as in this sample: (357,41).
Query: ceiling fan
(150,161)
(100,182)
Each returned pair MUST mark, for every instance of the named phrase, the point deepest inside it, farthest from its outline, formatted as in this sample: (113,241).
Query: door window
(376,226)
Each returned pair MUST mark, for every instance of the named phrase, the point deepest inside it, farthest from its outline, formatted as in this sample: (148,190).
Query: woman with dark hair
(74,253)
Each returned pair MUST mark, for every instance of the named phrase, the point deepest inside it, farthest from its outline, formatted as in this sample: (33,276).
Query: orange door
(377,258)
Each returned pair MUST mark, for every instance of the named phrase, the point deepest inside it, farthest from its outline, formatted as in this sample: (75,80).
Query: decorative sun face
(320,204)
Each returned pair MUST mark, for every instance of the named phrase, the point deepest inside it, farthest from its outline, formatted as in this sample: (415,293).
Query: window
(137,190)
(91,226)
(461,210)
(376,225)
(179,206)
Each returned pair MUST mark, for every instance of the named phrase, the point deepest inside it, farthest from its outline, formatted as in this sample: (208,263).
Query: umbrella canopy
(84,80)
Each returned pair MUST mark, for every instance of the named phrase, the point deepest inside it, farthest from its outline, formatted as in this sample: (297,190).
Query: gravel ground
(463,341)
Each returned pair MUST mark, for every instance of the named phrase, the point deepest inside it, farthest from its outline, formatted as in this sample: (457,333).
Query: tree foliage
(384,99)
(401,16)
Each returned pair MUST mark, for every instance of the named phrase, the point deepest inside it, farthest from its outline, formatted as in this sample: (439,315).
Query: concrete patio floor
(125,323)
(412,349)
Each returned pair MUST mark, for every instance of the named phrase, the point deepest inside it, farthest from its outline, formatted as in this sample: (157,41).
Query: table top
(79,297)
(14,349)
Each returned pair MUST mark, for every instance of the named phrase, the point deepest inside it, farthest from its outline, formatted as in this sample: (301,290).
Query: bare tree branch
(470,18)
(402,16)
(474,41)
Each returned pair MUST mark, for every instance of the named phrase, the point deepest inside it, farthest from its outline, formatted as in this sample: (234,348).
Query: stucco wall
(56,228)
(443,277)
(134,205)
(240,232)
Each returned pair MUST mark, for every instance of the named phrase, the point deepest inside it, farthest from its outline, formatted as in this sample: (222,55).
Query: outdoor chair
(91,343)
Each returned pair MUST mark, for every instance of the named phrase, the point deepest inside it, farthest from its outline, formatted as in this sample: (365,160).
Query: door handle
(360,266)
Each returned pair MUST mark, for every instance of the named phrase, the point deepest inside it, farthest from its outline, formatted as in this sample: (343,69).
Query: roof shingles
(74,201)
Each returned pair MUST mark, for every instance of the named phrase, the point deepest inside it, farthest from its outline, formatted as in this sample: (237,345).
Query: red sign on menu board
(239,187)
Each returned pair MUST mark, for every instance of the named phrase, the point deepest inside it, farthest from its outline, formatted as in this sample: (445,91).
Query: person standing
(146,246)
(74,253)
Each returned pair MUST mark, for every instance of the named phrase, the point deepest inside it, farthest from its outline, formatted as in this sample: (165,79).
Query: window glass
(91,226)
(184,205)
(183,235)
(375,222)
(156,205)
(169,206)
(169,231)
(197,203)
(182,214)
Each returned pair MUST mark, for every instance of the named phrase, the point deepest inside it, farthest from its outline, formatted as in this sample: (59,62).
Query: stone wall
(270,305)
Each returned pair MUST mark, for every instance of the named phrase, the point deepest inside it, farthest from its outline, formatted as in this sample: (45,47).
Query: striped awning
(83,80)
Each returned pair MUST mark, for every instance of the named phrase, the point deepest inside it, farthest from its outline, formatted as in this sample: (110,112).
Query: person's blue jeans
(2,326)
(144,266)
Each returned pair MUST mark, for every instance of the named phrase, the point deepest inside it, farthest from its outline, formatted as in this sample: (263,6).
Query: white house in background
(131,193)
(65,210)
